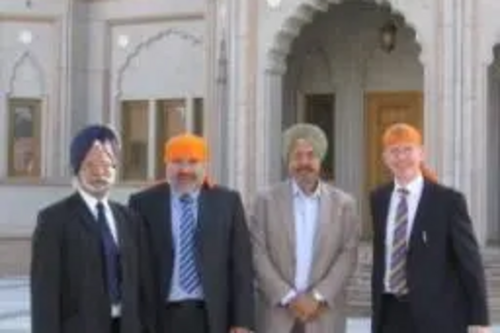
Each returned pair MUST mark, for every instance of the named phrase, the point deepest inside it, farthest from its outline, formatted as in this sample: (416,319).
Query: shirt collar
(194,195)
(412,187)
(297,191)
(92,201)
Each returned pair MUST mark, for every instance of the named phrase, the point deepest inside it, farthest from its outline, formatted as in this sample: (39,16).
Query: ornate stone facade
(456,39)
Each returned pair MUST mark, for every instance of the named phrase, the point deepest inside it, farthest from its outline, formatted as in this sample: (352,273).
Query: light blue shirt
(306,215)
(306,219)
(176,293)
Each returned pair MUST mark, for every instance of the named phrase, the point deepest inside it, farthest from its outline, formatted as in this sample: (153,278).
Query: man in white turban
(305,235)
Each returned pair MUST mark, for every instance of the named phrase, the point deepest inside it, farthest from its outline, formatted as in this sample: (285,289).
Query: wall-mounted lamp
(388,36)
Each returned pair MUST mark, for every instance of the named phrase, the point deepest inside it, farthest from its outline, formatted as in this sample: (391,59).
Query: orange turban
(401,133)
(186,147)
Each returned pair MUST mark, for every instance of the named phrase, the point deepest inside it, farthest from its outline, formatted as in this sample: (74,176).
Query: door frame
(370,145)
(301,98)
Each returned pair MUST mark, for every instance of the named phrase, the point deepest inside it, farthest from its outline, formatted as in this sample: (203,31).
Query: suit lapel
(162,213)
(384,203)
(323,219)
(204,215)
(422,209)
(84,215)
(121,236)
(159,210)
(287,209)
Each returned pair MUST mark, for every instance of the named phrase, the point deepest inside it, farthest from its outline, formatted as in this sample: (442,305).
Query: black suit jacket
(223,253)
(444,270)
(68,286)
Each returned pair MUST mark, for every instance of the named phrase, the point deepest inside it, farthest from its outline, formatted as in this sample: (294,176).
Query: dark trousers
(115,325)
(396,315)
(186,317)
(298,327)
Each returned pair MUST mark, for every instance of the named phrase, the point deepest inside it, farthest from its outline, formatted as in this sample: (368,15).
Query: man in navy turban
(88,273)
(93,154)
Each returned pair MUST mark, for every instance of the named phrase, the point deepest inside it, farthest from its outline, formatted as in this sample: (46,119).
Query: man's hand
(239,330)
(479,329)
(321,309)
(304,307)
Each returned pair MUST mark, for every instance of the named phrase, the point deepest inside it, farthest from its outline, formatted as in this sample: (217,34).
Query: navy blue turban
(84,141)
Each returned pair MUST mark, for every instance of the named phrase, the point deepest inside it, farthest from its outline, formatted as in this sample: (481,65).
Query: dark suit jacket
(68,288)
(223,253)
(444,270)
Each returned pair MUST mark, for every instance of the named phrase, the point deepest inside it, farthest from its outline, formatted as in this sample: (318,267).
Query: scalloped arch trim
(25,59)
(303,14)
(194,40)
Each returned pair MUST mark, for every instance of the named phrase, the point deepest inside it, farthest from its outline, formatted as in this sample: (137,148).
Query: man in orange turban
(200,246)
(427,270)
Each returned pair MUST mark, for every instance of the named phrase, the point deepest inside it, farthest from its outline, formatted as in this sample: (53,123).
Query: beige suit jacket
(272,227)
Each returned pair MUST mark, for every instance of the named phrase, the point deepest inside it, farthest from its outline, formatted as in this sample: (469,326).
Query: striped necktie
(397,278)
(189,279)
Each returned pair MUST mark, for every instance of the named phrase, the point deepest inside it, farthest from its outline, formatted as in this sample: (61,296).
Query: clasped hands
(305,307)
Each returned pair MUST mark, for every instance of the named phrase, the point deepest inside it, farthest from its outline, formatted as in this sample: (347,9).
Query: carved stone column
(242,70)
(211,108)
(475,139)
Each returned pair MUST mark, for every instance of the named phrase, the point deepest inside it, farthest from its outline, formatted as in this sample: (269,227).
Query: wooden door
(382,110)
(320,110)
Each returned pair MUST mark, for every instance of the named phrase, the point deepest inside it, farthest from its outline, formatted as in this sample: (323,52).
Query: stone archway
(289,25)
(274,49)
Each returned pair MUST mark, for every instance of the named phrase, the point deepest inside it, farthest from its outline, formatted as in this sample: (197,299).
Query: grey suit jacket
(334,260)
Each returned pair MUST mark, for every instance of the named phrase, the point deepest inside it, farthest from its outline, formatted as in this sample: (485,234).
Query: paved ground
(14,309)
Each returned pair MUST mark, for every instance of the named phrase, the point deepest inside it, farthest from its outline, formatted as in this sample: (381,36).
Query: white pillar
(152,135)
(492,106)
(447,104)
(273,120)
(475,137)
(4,134)
(242,56)
(211,106)
(65,85)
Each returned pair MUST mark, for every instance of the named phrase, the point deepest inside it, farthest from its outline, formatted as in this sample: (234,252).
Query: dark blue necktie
(189,279)
(111,256)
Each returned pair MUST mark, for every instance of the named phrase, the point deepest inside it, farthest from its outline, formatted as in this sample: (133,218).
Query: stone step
(359,286)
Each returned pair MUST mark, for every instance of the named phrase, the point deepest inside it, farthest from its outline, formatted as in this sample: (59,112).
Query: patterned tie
(397,278)
(189,279)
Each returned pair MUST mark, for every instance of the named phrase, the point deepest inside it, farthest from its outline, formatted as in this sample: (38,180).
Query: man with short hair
(427,270)
(305,236)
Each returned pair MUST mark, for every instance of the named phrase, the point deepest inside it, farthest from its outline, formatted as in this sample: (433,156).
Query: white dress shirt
(414,189)
(305,210)
(91,203)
